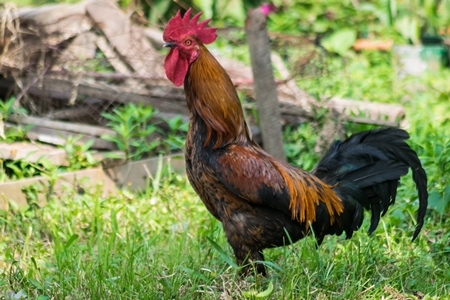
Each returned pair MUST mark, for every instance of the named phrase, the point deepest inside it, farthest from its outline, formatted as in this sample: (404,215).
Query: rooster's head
(184,35)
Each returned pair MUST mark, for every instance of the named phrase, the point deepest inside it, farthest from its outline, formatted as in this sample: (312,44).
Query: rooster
(264,202)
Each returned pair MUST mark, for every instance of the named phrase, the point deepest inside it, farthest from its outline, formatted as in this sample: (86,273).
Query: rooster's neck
(211,96)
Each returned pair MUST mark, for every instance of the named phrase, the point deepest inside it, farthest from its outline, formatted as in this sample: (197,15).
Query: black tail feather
(420,178)
(375,220)
(366,168)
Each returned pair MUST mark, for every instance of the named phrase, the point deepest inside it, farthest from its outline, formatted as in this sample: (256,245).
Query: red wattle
(176,67)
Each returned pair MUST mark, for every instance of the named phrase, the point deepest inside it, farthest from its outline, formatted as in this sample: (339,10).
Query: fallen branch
(58,125)
(172,100)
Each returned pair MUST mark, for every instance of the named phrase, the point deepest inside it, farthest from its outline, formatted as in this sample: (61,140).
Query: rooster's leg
(245,250)
(249,262)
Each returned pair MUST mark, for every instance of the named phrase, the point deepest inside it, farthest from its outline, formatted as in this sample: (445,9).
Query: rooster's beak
(169,44)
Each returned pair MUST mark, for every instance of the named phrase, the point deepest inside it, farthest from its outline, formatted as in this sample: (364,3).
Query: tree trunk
(264,81)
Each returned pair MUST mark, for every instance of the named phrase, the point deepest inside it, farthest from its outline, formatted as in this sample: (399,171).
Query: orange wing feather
(248,171)
(306,191)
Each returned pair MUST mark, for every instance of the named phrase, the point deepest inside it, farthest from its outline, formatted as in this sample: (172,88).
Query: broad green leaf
(253,294)
(35,283)
(340,41)
(409,28)
(321,26)
(437,201)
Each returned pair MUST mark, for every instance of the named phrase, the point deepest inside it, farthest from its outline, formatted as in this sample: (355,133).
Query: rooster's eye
(188,42)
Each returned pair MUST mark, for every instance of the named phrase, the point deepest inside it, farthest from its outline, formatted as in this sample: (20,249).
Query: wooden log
(33,152)
(168,99)
(56,22)
(70,113)
(82,180)
(112,56)
(80,50)
(264,81)
(377,112)
(58,137)
(165,99)
(115,60)
(59,125)
(171,100)
(135,175)
(129,41)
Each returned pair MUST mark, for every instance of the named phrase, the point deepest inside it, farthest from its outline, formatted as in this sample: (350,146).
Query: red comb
(178,27)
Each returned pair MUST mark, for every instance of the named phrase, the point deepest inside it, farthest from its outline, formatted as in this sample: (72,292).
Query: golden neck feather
(211,96)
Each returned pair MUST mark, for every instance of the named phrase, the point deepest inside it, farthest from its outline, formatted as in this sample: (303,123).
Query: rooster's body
(264,202)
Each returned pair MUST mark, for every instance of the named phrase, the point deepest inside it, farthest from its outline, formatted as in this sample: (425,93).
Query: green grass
(155,246)
(163,244)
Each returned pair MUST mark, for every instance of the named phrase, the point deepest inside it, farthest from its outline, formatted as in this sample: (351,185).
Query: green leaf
(35,283)
(88,144)
(71,240)
(270,264)
(119,155)
(34,263)
(253,294)
(114,224)
(321,26)
(110,117)
(111,138)
(340,41)
(409,28)
(437,201)
(223,254)
(266,293)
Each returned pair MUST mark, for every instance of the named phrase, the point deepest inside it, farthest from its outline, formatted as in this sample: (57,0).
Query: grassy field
(163,244)
(157,245)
